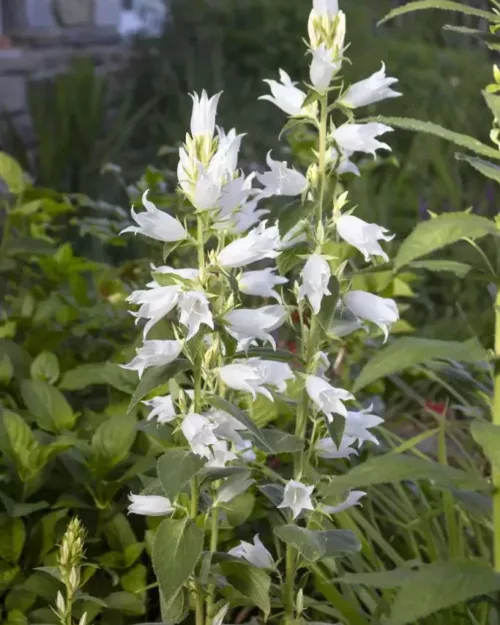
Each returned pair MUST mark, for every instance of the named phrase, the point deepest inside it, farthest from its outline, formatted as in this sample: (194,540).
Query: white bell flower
(315,278)
(383,312)
(221,455)
(371,90)
(234,194)
(353,499)
(281,180)
(297,497)
(207,190)
(198,431)
(326,397)
(256,554)
(288,97)
(203,115)
(259,243)
(246,451)
(225,160)
(227,427)
(342,165)
(247,216)
(358,423)
(325,19)
(363,236)
(156,224)
(194,310)
(150,505)
(186,170)
(186,273)
(273,372)
(154,303)
(154,354)
(261,283)
(163,408)
(330,8)
(322,365)
(324,65)
(243,377)
(327,449)
(249,324)
(361,137)
(297,234)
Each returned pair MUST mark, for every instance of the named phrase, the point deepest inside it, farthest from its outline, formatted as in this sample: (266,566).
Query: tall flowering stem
(496,421)
(217,452)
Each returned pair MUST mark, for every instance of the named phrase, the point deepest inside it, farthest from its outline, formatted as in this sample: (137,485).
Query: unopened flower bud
(299,602)
(83,620)
(61,605)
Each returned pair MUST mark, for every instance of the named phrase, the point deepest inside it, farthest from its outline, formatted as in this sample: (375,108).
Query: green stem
(200,246)
(323,123)
(214,539)
(496,421)
(5,234)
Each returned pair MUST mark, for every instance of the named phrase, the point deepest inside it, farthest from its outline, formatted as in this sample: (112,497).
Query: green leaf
(6,370)
(441,585)
(452,266)
(280,442)
(441,231)
(239,509)
(45,368)
(410,351)
(176,468)
(488,436)
(483,167)
(176,610)
(415,125)
(314,545)
(381,579)
(329,304)
(177,548)
(156,376)
(12,539)
(126,603)
(11,173)
(493,99)
(393,468)
(243,418)
(49,407)
(81,377)
(112,441)
(18,356)
(444,5)
(251,582)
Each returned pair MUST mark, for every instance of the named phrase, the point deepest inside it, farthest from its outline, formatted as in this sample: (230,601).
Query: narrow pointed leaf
(155,377)
(488,436)
(444,5)
(490,170)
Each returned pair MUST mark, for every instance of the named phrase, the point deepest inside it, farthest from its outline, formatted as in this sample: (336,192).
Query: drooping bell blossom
(203,115)
(207,190)
(281,180)
(243,377)
(261,283)
(373,89)
(361,137)
(221,455)
(297,234)
(247,216)
(353,499)
(194,310)
(274,373)
(256,554)
(358,423)
(315,278)
(163,408)
(155,303)
(246,451)
(225,160)
(297,497)
(324,65)
(249,324)
(156,224)
(326,397)
(288,97)
(363,236)
(227,427)
(198,431)
(154,354)
(234,194)
(381,311)
(259,243)
(327,449)
(150,505)
(322,365)
(186,274)
(342,165)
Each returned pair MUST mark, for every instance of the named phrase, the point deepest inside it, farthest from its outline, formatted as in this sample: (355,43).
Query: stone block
(107,12)
(12,93)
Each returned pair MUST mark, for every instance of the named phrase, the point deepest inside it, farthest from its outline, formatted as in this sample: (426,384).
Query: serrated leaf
(441,585)
(488,436)
(155,377)
(408,352)
(394,468)
(441,231)
(251,582)
(176,468)
(177,549)
(444,5)
(438,266)
(416,125)
(489,170)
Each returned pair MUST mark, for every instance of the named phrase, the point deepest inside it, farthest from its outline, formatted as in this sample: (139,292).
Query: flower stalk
(496,421)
